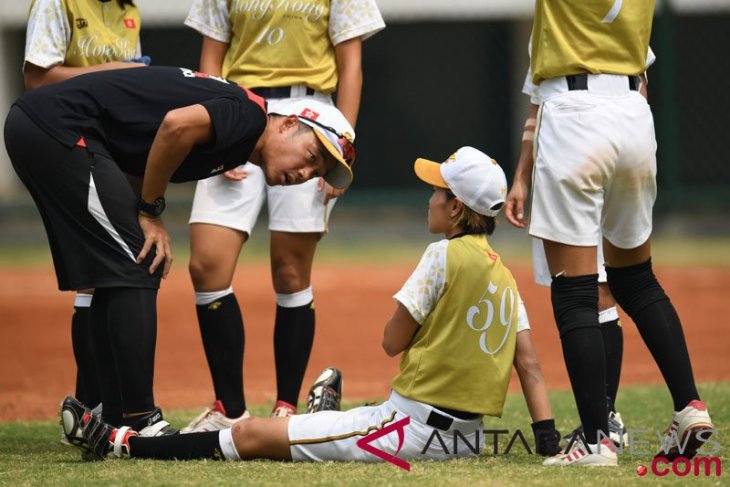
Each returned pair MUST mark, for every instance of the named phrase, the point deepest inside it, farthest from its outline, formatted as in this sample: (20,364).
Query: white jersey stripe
(97,211)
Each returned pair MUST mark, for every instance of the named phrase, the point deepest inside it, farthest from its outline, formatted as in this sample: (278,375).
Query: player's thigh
(542,272)
(570,260)
(574,153)
(631,191)
(618,257)
(214,251)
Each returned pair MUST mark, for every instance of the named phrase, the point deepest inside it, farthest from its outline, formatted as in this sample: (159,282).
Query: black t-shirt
(118,113)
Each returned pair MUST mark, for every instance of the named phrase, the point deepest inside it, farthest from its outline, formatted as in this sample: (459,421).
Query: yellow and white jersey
(284,42)
(81,33)
(470,310)
(590,36)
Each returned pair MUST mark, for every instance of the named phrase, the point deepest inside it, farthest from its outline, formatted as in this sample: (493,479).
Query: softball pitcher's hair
(122,3)
(470,221)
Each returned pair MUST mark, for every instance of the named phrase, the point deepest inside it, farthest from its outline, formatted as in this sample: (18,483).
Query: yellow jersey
(468,306)
(590,36)
(281,42)
(81,32)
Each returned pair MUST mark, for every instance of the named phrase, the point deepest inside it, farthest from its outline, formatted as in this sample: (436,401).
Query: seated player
(460,325)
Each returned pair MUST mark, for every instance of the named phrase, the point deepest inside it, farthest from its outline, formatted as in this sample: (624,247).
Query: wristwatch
(153,209)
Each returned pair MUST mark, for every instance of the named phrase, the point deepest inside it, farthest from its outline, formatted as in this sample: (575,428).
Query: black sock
(106,370)
(221,327)
(575,306)
(613,342)
(293,337)
(132,324)
(177,447)
(87,382)
(638,292)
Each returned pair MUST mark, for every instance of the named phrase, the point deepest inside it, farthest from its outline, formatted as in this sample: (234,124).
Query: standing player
(460,334)
(71,144)
(594,175)
(65,39)
(607,313)
(284,52)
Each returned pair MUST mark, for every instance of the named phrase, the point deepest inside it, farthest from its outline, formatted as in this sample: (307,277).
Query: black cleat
(326,392)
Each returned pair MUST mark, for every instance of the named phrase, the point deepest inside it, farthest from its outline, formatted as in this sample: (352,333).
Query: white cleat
(212,419)
(601,455)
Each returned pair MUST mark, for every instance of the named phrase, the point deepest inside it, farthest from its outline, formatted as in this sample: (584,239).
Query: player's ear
(457,207)
(289,122)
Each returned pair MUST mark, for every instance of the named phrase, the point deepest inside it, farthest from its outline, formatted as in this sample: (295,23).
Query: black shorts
(88,209)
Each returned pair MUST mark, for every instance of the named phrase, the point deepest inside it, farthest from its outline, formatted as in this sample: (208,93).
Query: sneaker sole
(693,444)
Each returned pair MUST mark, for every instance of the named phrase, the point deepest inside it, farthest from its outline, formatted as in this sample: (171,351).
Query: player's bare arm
(180,130)
(531,379)
(35,76)
(211,56)
(349,89)
(514,208)
(399,331)
(349,73)
(211,61)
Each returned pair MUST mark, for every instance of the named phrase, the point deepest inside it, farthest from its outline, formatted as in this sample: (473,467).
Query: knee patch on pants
(575,302)
(634,287)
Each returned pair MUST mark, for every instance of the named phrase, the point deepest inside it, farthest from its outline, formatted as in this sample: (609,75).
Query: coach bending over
(72,144)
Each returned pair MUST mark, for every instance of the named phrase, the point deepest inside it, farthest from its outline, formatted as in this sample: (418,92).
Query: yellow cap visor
(340,176)
(429,172)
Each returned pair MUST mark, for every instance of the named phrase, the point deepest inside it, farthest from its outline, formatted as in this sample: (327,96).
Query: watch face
(159,206)
(155,208)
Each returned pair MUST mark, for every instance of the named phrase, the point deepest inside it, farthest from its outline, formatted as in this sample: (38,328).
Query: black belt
(279,92)
(580,82)
(443,422)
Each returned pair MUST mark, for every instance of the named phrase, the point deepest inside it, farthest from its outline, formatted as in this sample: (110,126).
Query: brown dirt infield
(353,303)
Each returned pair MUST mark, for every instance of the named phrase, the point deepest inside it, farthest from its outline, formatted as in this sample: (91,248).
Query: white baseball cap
(474,177)
(332,129)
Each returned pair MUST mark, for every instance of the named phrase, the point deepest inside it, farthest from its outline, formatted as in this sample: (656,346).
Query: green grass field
(31,454)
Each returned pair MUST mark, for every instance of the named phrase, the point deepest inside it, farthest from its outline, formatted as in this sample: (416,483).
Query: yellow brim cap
(429,172)
(340,176)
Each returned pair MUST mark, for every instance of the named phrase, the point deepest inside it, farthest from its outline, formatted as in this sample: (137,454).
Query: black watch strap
(153,209)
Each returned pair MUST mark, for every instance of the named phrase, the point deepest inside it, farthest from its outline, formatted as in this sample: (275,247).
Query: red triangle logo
(398,426)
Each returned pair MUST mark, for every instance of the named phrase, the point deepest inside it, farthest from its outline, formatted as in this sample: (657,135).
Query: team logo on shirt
(81,23)
(130,24)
